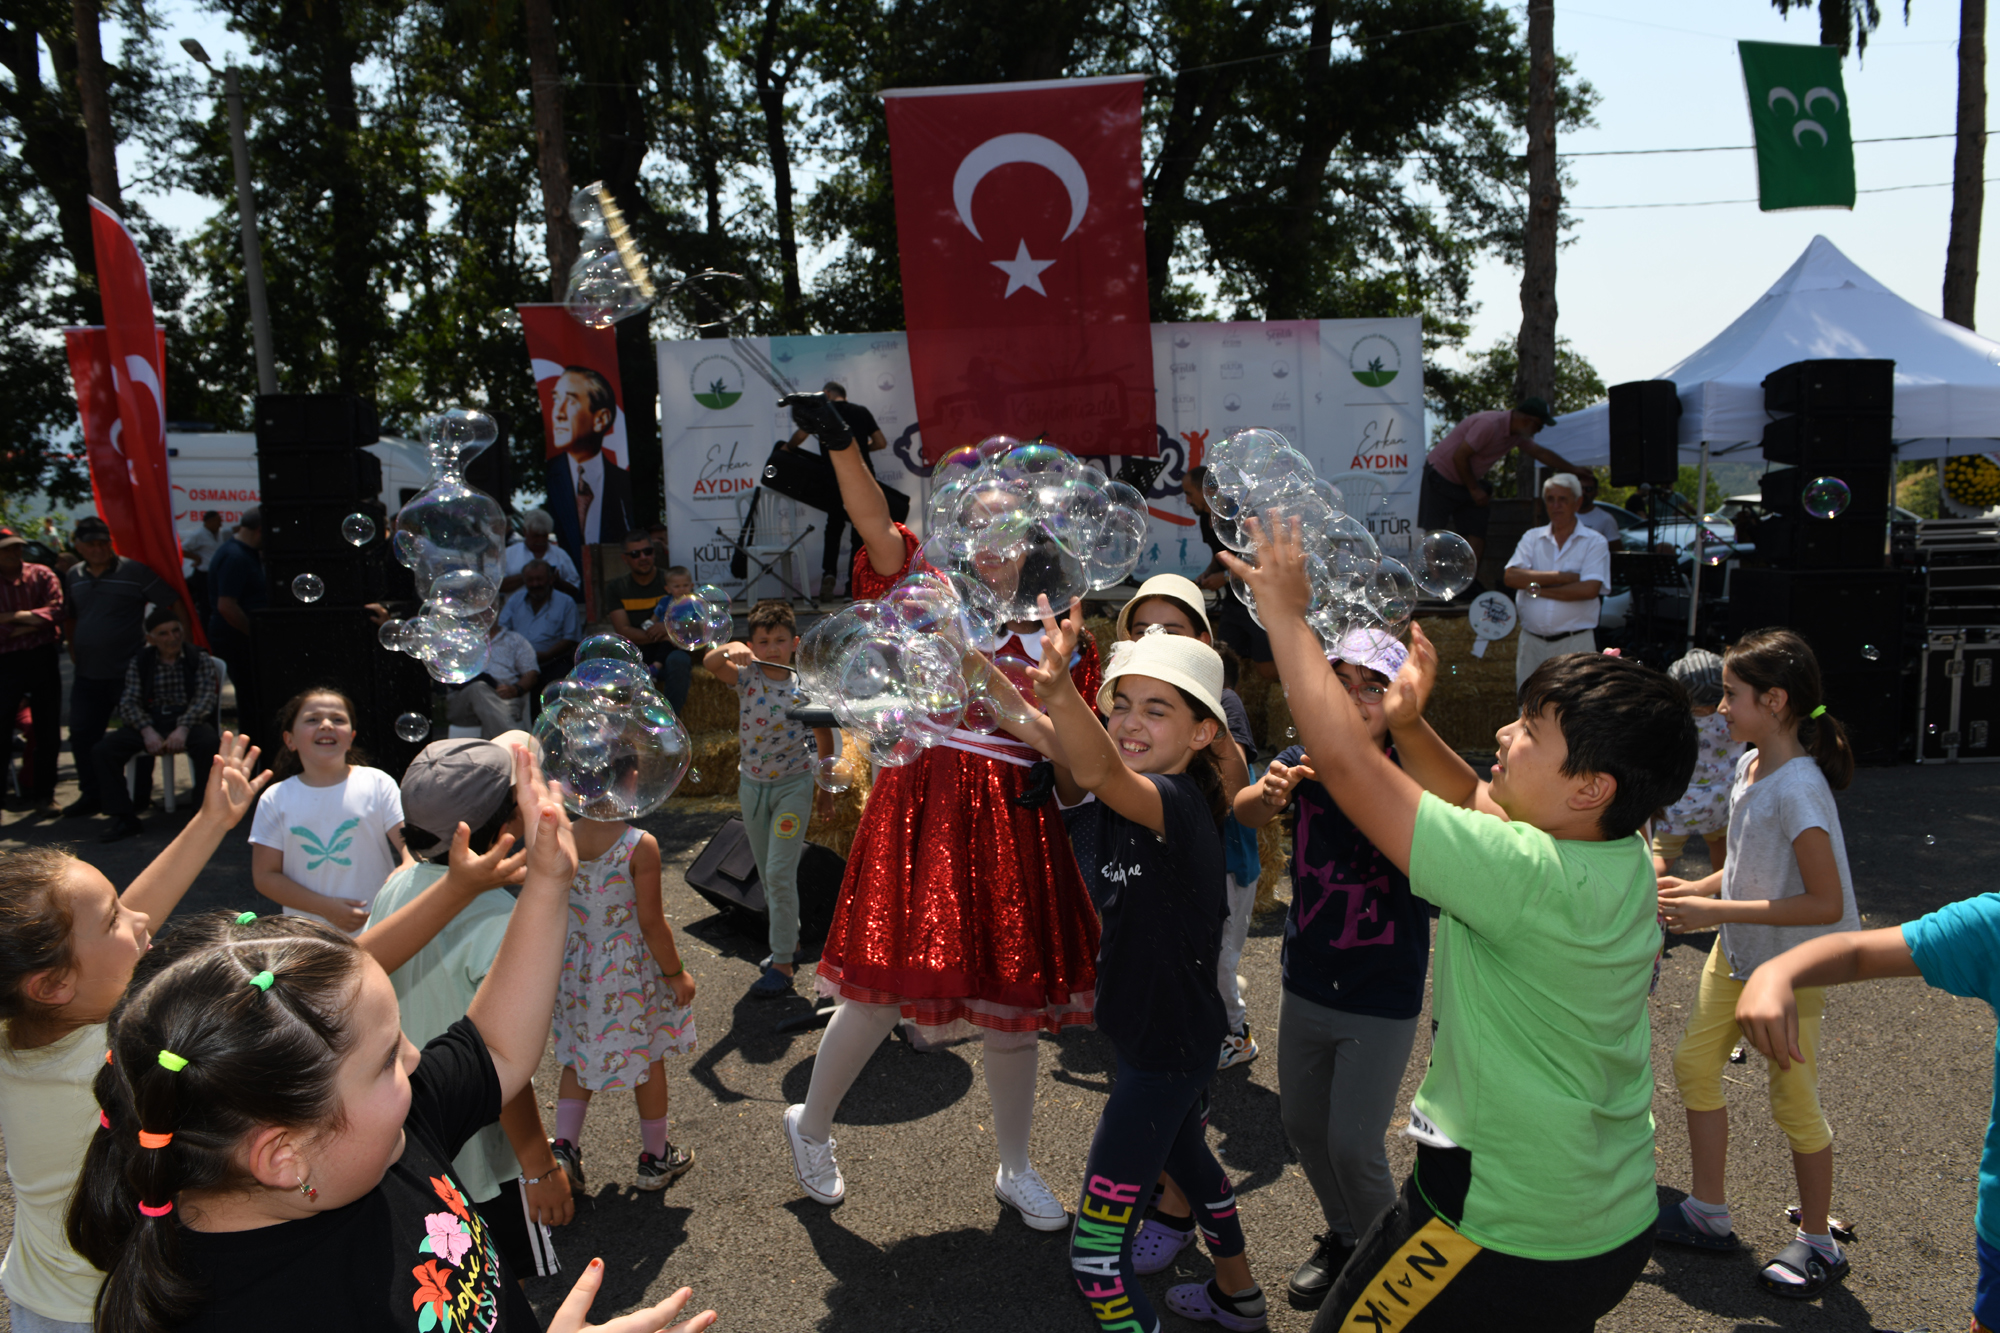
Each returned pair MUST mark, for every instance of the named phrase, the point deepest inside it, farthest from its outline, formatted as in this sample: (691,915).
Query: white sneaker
(1029,1195)
(812,1163)
(1238,1048)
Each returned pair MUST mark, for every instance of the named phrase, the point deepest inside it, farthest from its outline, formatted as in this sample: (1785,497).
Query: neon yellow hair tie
(172,1063)
(1817,711)
(262,981)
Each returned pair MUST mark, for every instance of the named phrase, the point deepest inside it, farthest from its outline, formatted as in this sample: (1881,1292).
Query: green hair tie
(1817,711)
(172,1063)
(262,981)
(246,918)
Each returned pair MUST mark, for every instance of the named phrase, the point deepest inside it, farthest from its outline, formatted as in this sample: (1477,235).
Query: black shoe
(83,808)
(122,827)
(1314,1278)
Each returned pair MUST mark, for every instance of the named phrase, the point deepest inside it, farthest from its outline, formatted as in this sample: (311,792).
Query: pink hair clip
(1612,652)
(161,1211)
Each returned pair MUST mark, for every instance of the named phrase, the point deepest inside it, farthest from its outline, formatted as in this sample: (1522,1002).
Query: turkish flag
(128,460)
(1021,231)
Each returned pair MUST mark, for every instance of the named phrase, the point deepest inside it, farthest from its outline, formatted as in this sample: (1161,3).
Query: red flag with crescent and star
(1021,230)
(128,451)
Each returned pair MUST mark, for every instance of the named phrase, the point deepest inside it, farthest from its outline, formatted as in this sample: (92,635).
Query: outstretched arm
(1091,762)
(395,940)
(1437,767)
(1768,1008)
(1380,798)
(231,792)
(860,494)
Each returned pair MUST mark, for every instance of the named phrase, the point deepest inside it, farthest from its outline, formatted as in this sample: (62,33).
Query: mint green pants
(775,816)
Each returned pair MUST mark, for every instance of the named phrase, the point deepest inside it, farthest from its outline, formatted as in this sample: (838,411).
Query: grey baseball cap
(452,780)
(1700,673)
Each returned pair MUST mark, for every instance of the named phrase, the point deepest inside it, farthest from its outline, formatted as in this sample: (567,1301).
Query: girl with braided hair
(68,943)
(271,1145)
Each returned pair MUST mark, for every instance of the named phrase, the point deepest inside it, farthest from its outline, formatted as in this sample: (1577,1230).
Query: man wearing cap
(31,610)
(1455,494)
(105,601)
(1558,573)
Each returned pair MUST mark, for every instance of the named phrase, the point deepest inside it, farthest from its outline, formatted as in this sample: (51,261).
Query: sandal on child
(1839,1230)
(1674,1228)
(1815,1272)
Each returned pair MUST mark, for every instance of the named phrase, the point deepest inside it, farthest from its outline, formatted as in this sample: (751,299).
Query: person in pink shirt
(1455,492)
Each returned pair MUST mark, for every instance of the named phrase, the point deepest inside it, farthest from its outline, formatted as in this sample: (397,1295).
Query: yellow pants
(1712,1032)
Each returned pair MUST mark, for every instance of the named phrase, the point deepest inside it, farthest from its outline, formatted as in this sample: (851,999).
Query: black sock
(1177,1223)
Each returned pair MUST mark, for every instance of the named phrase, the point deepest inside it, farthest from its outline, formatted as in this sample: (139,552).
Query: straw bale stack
(838,832)
(1475,696)
(711,705)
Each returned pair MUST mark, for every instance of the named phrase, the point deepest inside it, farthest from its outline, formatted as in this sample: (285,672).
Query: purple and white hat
(1372,649)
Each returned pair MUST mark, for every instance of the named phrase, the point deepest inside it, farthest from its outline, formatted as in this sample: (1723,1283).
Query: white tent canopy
(1947,377)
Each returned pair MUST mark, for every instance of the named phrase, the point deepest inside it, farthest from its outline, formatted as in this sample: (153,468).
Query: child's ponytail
(1778,659)
(228,1027)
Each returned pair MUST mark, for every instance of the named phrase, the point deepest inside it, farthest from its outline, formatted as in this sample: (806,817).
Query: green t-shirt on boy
(1541,1064)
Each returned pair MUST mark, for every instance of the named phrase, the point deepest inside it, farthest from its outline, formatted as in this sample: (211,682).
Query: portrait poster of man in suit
(590,495)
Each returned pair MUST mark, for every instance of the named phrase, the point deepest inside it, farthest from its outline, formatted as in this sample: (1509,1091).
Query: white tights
(857,1029)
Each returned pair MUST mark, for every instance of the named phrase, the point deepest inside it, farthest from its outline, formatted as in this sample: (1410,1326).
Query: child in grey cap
(1704,809)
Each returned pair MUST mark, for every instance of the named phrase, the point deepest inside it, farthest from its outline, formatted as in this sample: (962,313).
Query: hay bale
(838,833)
(1274,851)
(1475,696)
(713,772)
(711,705)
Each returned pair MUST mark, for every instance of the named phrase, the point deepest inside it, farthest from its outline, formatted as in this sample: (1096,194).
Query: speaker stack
(313,472)
(1828,577)
(1645,433)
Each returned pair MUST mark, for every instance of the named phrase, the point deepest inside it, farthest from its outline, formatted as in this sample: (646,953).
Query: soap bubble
(831,774)
(462,592)
(452,531)
(358,529)
(1930,840)
(413,727)
(1825,497)
(1871,652)
(693,622)
(456,651)
(614,761)
(1392,594)
(612,682)
(1444,564)
(308,587)
(609,645)
(610,279)
(1120,543)
(390,634)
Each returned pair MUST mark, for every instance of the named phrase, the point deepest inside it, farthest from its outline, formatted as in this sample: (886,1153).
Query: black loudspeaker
(1798,541)
(1832,386)
(1853,619)
(725,874)
(291,474)
(1645,433)
(304,647)
(1825,440)
(315,419)
(492,469)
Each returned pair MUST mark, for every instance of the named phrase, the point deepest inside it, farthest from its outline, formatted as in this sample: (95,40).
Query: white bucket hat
(1182,590)
(1174,658)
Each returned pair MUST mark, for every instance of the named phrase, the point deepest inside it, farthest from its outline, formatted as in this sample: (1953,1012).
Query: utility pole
(1535,350)
(1968,173)
(100,146)
(545,79)
(246,215)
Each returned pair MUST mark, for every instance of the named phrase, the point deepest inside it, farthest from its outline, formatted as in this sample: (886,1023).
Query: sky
(1639,288)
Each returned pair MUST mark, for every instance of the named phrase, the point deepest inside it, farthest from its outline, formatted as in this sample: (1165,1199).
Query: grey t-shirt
(1764,819)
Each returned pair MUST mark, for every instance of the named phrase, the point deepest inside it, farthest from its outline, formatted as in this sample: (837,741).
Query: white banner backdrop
(1348,393)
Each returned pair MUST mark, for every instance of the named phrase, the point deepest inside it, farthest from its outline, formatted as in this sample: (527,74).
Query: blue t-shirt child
(1957,948)
(1356,938)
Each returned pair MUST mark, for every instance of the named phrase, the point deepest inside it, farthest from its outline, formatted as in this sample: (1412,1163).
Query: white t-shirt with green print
(335,839)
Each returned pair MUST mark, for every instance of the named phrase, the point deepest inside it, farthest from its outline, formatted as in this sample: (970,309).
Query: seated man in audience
(536,529)
(168,707)
(488,701)
(546,618)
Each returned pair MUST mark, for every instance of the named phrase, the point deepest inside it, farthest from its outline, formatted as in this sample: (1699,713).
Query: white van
(218,470)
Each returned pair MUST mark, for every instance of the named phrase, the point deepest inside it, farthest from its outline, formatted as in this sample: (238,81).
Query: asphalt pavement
(921,1244)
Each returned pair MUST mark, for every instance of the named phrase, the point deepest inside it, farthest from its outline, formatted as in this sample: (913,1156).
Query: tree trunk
(101,143)
(1536,348)
(551,154)
(771,99)
(1285,297)
(1968,175)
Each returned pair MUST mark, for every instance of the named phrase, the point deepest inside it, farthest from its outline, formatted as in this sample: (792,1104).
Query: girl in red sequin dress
(962,910)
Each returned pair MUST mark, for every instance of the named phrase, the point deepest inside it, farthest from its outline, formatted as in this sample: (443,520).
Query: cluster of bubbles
(453,537)
(609,737)
(1825,497)
(1009,524)
(610,279)
(695,620)
(1257,473)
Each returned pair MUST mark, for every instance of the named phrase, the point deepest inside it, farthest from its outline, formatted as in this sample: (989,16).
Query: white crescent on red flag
(556,341)
(135,500)
(1021,233)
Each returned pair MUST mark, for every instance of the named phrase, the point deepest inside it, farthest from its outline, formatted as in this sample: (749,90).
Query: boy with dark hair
(1532,1202)
(774,774)
(437,926)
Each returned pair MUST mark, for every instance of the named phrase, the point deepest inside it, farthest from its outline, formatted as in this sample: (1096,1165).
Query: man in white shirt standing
(196,550)
(1590,515)
(1558,573)
(509,671)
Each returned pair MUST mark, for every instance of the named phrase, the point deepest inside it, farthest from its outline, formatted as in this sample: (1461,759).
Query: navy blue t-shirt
(1162,904)
(1356,938)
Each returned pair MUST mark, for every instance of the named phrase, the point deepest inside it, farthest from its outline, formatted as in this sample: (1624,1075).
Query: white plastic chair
(773,554)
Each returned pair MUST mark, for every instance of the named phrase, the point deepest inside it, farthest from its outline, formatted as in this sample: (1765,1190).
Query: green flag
(1798,111)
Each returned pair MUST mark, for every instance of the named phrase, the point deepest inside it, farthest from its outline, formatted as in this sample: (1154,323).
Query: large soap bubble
(452,531)
(610,279)
(1826,497)
(695,622)
(609,645)
(1444,564)
(615,761)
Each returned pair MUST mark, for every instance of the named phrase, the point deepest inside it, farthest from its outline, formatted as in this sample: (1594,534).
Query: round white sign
(1492,615)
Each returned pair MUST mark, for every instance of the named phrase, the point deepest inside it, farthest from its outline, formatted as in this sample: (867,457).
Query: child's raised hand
(1411,689)
(233,780)
(476,873)
(570,1317)
(1059,639)
(1278,579)
(551,844)
(1275,787)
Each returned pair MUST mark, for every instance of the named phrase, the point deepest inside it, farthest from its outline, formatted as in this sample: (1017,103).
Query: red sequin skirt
(960,906)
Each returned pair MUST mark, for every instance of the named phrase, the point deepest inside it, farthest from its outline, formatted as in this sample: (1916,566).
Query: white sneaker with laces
(812,1163)
(1029,1195)
(1238,1048)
